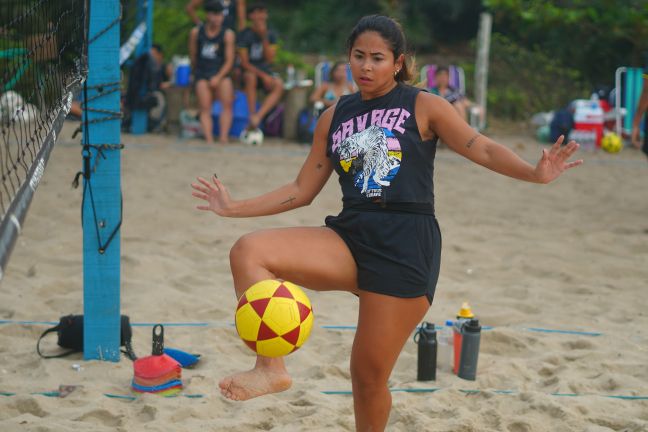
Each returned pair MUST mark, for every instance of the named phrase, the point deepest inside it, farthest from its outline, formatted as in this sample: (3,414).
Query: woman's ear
(400,62)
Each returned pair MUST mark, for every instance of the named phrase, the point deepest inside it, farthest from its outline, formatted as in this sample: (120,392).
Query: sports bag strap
(50,330)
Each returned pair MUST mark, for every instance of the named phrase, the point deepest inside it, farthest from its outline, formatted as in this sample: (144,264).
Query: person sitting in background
(233,13)
(449,93)
(148,76)
(330,91)
(257,48)
(211,49)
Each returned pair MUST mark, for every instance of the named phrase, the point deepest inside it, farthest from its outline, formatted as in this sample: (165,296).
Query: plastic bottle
(445,358)
(465,314)
(471,335)
(427,352)
(290,76)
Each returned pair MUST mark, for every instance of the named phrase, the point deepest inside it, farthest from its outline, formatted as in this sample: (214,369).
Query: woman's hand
(636,137)
(554,162)
(216,195)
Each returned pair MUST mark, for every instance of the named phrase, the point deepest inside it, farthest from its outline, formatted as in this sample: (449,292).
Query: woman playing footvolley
(385,244)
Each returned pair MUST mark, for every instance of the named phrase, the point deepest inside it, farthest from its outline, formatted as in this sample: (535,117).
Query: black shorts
(398,253)
(206,74)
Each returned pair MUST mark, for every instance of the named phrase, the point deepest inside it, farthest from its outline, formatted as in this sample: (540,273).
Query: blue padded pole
(102,191)
(139,118)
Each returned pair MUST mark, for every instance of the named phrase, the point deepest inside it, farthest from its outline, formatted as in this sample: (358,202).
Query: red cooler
(588,122)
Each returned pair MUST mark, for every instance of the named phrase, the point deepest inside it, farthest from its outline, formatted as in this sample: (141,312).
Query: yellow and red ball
(274,318)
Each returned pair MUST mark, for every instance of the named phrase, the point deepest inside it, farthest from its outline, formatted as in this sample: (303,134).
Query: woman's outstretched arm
(309,182)
(459,136)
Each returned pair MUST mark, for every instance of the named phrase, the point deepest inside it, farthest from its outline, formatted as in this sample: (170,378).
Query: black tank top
(229,14)
(376,148)
(211,51)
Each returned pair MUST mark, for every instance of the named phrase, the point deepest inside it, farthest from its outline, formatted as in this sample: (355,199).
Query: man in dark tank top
(257,46)
(211,49)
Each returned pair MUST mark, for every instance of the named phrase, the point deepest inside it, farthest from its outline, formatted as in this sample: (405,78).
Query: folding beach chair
(457,80)
(457,77)
(628,83)
(323,70)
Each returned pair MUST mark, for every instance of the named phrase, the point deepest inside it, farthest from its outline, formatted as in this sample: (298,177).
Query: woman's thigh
(313,257)
(225,91)
(385,323)
(204,95)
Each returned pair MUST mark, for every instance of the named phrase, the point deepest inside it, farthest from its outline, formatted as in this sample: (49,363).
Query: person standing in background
(211,49)
(257,46)
(233,12)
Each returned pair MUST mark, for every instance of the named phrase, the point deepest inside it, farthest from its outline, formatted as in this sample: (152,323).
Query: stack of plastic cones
(157,373)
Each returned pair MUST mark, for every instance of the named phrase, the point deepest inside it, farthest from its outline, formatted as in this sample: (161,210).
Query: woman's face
(214,19)
(442,78)
(339,74)
(372,62)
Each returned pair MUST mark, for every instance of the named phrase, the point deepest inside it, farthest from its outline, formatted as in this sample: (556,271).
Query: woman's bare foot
(253,383)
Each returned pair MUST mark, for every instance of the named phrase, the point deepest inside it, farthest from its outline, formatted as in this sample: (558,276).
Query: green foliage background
(543,54)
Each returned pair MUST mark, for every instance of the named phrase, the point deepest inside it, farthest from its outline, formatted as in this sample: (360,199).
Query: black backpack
(561,124)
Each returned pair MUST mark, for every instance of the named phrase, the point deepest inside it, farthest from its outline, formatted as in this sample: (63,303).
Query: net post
(102,210)
(139,118)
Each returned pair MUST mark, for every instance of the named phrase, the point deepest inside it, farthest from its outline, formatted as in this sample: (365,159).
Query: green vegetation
(543,54)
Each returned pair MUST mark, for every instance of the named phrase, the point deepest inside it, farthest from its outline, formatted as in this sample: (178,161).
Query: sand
(572,255)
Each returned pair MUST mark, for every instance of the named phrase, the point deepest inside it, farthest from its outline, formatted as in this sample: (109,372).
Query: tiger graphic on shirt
(373,157)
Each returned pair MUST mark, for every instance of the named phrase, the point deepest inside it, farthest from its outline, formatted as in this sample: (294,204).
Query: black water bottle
(470,337)
(426,339)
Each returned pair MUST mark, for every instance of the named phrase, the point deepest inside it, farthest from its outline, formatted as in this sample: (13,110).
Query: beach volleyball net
(42,65)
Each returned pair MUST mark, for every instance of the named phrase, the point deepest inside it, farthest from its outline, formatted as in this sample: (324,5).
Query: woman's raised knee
(243,249)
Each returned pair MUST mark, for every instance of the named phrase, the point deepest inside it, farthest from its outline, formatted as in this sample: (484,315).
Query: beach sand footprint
(30,405)
(102,417)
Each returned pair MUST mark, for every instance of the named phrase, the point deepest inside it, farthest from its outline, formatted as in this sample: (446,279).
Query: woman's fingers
(569,150)
(556,147)
(200,195)
(199,188)
(218,184)
(207,184)
(574,164)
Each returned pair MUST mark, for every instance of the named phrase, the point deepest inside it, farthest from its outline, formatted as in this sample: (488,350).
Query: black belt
(402,207)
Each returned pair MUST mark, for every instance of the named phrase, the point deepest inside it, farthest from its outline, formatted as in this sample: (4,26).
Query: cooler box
(240,114)
(588,120)
(182,75)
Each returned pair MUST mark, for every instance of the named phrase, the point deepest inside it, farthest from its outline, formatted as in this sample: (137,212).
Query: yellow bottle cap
(465,311)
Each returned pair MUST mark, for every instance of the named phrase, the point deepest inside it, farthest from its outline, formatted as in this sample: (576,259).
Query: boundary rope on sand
(56,394)
(326,327)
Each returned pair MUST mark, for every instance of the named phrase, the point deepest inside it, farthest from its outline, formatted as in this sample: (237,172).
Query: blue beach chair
(323,70)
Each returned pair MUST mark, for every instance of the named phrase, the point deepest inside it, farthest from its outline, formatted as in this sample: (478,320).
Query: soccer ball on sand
(611,143)
(252,136)
(274,318)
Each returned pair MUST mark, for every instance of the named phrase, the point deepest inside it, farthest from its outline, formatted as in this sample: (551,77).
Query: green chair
(628,85)
(20,56)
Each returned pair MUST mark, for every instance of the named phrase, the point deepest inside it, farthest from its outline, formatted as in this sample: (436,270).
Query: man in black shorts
(257,46)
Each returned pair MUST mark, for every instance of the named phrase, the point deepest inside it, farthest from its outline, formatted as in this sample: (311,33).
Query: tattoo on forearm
(472,140)
(319,166)
(289,200)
